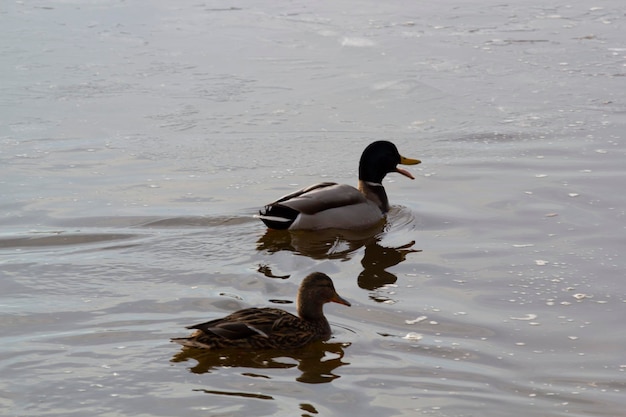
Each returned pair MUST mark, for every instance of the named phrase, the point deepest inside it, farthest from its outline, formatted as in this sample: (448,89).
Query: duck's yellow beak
(407,161)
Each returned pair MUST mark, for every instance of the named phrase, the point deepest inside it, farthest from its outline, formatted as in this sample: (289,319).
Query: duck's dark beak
(407,161)
(339,300)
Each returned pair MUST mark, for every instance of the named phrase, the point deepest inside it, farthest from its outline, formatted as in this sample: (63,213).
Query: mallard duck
(329,205)
(271,328)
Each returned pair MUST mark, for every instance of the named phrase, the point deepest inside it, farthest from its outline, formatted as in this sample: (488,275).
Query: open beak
(407,161)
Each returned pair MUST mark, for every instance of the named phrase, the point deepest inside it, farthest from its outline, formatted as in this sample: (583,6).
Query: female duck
(271,328)
(330,205)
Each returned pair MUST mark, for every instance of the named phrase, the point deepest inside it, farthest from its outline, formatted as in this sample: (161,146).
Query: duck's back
(324,206)
(257,328)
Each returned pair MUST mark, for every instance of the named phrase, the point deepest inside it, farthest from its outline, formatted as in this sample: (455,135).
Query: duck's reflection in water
(340,244)
(317,362)
(377,259)
(319,244)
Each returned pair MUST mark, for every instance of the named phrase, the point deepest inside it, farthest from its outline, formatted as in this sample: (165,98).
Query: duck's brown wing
(301,191)
(280,214)
(245,323)
(323,196)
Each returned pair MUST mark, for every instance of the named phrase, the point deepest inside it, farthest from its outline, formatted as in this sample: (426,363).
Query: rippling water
(139,139)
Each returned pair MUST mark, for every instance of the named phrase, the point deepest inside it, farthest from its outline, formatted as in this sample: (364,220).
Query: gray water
(138,139)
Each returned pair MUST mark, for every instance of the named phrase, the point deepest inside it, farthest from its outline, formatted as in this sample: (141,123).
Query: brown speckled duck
(271,328)
(329,205)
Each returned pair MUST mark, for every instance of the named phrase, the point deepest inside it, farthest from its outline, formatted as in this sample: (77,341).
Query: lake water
(138,139)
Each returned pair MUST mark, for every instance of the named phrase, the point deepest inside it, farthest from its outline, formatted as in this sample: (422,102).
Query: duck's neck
(375,192)
(315,317)
(310,311)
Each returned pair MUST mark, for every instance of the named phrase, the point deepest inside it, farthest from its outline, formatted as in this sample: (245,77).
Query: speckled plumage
(271,328)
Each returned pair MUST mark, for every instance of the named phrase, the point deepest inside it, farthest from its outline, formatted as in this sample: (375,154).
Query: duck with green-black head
(328,205)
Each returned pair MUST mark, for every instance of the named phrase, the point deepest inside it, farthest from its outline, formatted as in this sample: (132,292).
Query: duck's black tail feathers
(277,216)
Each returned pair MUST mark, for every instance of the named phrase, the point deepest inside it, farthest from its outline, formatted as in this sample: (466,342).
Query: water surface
(139,139)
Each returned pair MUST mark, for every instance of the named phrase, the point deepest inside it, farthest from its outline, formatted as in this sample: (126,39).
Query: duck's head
(316,290)
(379,159)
